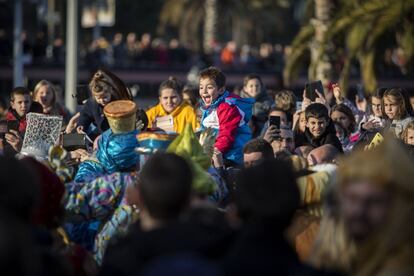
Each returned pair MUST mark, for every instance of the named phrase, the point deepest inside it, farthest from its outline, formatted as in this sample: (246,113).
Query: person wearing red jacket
(226,113)
(20,105)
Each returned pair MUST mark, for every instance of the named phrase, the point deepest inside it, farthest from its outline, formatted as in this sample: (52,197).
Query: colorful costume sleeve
(229,119)
(96,199)
(116,152)
(122,218)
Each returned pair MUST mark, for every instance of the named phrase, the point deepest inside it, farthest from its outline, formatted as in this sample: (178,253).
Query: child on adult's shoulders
(226,113)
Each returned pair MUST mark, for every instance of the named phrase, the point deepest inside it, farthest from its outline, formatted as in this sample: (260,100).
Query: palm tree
(361,27)
(210,25)
(367,25)
(310,40)
(243,21)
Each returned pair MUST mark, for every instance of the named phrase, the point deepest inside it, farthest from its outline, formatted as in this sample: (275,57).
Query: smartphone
(360,91)
(378,139)
(13,125)
(82,94)
(310,88)
(298,106)
(274,121)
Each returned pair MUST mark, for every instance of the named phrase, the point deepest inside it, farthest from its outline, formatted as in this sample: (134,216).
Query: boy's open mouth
(207,99)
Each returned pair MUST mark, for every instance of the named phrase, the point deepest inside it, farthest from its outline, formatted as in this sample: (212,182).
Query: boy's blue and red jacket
(229,116)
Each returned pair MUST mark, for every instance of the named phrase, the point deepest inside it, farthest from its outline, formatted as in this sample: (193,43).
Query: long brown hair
(103,79)
(348,113)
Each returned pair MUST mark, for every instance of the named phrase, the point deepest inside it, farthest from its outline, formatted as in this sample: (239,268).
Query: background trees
(361,31)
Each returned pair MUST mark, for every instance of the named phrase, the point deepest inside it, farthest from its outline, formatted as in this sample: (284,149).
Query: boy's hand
(321,99)
(14,139)
(306,101)
(217,159)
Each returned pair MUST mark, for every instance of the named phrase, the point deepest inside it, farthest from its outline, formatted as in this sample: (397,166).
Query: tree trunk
(210,24)
(321,67)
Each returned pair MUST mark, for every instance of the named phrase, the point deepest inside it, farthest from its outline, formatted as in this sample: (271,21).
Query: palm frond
(367,61)
(298,49)
(347,17)
(406,39)
(387,20)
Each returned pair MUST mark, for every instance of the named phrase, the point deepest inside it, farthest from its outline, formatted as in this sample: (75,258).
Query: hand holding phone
(13,125)
(310,88)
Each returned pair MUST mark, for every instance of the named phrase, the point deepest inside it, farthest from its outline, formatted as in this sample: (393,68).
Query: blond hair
(404,134)
(51,87)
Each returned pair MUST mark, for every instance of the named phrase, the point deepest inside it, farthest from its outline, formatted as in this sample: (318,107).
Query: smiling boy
(226,113)
(319,128)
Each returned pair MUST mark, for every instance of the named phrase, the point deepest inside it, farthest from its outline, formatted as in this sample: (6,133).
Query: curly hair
(214,74)
(286,100)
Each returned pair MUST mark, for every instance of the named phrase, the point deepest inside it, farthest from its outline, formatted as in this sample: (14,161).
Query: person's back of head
(286,100)
(267,193)
(18,252)
(48,212)
(165,185)
(19,189)
(257,150)
(322,155)
(317,111)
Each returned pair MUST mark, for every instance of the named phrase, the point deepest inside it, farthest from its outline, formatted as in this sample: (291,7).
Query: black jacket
(92,113)
(130,254)
(328,137)
(261,249)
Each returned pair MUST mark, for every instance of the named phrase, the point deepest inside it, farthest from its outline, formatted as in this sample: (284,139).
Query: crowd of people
(217,182)
(130,51)
(139,51)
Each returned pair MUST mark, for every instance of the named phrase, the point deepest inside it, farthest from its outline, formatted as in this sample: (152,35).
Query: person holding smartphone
(20,105)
